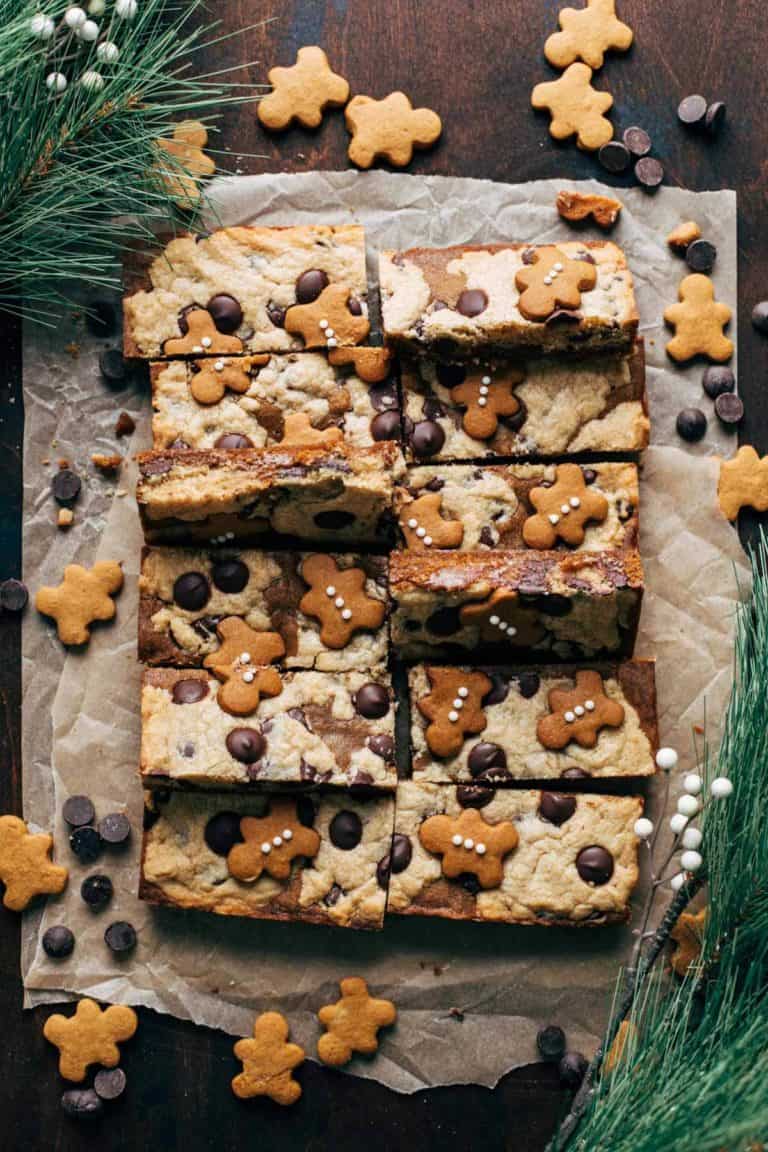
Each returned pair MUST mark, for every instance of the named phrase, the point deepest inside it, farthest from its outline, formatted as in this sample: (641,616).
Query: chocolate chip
(729,408)
(692,111)
(58,942)
(472,302)
(550,1042)
(230,575)
(372,701)
(300,717)
(427,438)
(96,890)
(499,689)
(571,1069)
(346,830)
(276,314)
(575,774)
(334,519)
(487,537)
(206,626)
(594,865)
(444,622)
(691,424)
(81,1104)
(333,895)
(554,605)
(717,380)
(715,117)
(222,832)
(700,256)
(109,1083)
(354,307)
(589,475)
(115,829)
(120,936)
(125,425)
(189,691)
(649,172)
(101,317)
(112,365)
(386,426)
(486,758)
(232,441)
(66,486)
(305,810)
(436,484)
(86,844)
(246,745)
(625,510)
(384,746)
(78,810)
(226,313)
(191,591)
(615,156)
(555,808)
(528,684)
(309,285)
(469,883)
(402,852)
(474,795)
(760,317)
(432,408)
(13,595)
(637,141)
(451,375)
(529,255)
(382,397)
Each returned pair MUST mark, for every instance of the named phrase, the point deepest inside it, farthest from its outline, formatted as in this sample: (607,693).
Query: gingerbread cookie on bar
(563,510)
(579,714)
(553,281)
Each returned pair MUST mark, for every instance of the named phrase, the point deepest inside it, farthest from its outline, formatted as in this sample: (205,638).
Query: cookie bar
(508,297)
(472,853)
(515,605)
(271,856)
(535,723)
(228,292)
(259,401)
(433,509)
(544,407)
(330,495)
(320,728)
(186,596)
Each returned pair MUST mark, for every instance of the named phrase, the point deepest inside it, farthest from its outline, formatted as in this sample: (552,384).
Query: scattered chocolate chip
(589,475)
(96,890)
(575,774)
(386,426)
(528,684)
(717,380)
(112,365)
(550,1042)
(692,111)
(499,689)
(474,795)
(556,808)
(115,829)
(729,408)
(125,425)
(451,375)
(78,810)
(246,745)
(66,486)
(101,317)
(189,691)
(346,830)
(276,314)
(334,519)
(472,302)
(58,942)
(222,832)
(427,438)
(120,936)
(232,441)
(486,758)
(700,256)
(649,172)
(760,317)
(86,844)
(226,313)
(571,1069)
(384,746)
(691,424)
(614,156)
(191,591)
(13,595)
(715,117)
(305,810)
(230,575)
(637,141)
(81,1104)
(354,307)
(310,284)
(594,865)
(444,622)
(109,1083)
(372,701)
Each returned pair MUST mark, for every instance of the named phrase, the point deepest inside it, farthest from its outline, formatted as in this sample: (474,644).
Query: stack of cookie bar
(321,514)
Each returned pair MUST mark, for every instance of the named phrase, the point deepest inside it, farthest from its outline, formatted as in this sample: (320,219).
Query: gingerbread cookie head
(352,1024)
(698,320)
(271,842)
(187,163)
(577,109)
(268,1061)
(299,433)
(423,525)
(743,483)
(211,379)
(25,865)
(587,34)
(454,708)
(338,600)
(372,365)
(563,510)
(329,320)
(302,92)
(467,843)
(553,281)
(84,596)
(389,129)
(199,335)
(485,400)
(89,1037)
(503,618)
(578,714)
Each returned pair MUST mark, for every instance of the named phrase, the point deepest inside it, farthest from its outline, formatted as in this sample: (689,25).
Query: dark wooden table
(475,63)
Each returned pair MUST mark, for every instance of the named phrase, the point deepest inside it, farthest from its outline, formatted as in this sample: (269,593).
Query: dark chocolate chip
(247,745)
(444,622)
(383,869)
(96,890)
(354,307)
(230,575)
(112,365)
(615,156)
(637,141)
(81,1104)
(346,830)
(575,774)
(78,810)
(717,380)
(556,808)
(499,689)
(729,408)
(115,829)
(276,314)
(760,317)
(528,684)
(554,605)
(66,486)
(715,117)
(589,475)
(692,111)
(382,396)
(333,895)
(86,844)
(310,284)
(206,626)
(189,691)
(58,942)
(300,717)
(436,484)
(125,425)
(222,832)
(472,302)
(109,1083)
(691,424)
(372,700)
(625,510)
(487,536)
(700,256)
(595,865)
(402,852)
(120,936)
(474,795)
(427,438)
(486,758)
(386,426)
(550,1042)
(384,746)
(13,595)
(191,591)
(226,313)
(649,172)
(305,810)
(101,317)
(571,1069)
(451,375)
(529,255)
(232,441)
(334,519)
(469,883)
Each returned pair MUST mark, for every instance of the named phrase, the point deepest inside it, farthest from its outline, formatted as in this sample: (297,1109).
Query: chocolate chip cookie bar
(508,297)
(318,728)
(538,407)
(341,494)
(237,290)
(302,399)
(475,853)
(270,856)
(506,606)
(493,725)
(276,606)
(594,507)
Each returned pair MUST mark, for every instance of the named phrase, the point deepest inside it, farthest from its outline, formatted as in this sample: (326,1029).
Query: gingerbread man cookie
(271,842)
(467,843)
(328,321)
(352,1024)
(485,400)
(577,206)
(213,378)
(423,525)
(688,935)
(242,644)
(587,34)
(337,598)
(743,482)
(563,510)
(299,433)
(243,688)
(200,335)
(25,864)
(576,108)
(454,708)
(698,321)
(90,1037)
(578,714)
(268,1060)
(502,617)
(389,129)
(83,597)
(302,92)
(181,175)
(372,365)
(552,281)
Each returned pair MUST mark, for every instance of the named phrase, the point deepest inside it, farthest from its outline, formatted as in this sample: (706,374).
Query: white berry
(691,861)
(126,9)
(688,805)
(678,822)
(692,838)
(721,788)
(677,882)
(42,26)
(55,81)
(93,81)
(693,783)
(74,17)
(97,7)
(88,31)
(108,52)
(643,828)
(666,759)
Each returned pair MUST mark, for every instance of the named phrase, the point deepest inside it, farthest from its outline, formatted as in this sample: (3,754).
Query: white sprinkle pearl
(413,523)
(480,849)
(277,841)
(688,805)
(589,705)
(108,52)
(42,26)
(346,614)
(219,365)
(692,838)
(421,533)
(206,341)
(332,343)
(574,502)
(322,324)
(245,657)
(74,17)
(287,834)
(339,601)
(693,783)
(569,717)
(483,389)
(481,401)
(494,621)
(643,828)
(330,590)
(512,631)
(579,710)
(721,788)
(469,843)
(565,509)
(547,279)
(197,348)
(463,692)
(266,847)
(677,882)
(453,717)
(456,840)
(55,81)
(485,381)
(691,861)
(330,332)
(458,703)
(554,518)
(558,267)
(678,822)
(427,541)
(249,676)
(666,759)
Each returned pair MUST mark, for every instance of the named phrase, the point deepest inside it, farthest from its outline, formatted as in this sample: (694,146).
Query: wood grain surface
(475,63)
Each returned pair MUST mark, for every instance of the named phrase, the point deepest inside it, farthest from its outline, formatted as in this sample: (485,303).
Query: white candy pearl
(692,838)
(666,759)
(346,614)
(691,861)
(74,17)
(266,847)
(463,692)
(480,849)
(643,828)
(688,805)
(93,81)
(469,843)
(678,822)
(108,52)
(55,81)
(453,717)
(245,657)
(569,717)
(693,783)
(287,834)
(42,26)
(88,31)
(721,788)
(677,882)
(331,590)
(97,7)
(277,841)
(456,840)
(126,9)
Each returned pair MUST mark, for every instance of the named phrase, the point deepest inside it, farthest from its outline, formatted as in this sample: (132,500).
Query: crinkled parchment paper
(81,711)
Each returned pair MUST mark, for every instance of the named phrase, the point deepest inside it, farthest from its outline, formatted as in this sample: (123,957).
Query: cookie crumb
(65,518)
(125,425)
(73,349)
(106,463)
(683,235)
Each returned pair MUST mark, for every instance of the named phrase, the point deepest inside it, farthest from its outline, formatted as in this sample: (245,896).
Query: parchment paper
(81,712)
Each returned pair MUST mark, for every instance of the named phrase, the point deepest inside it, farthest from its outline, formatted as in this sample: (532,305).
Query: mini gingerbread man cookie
(299,433)
(454,708)
(563,510)
(502,617)
(576,108)
(743,482)
(328,320)
(25,864)
(352,1024)
(552,281)
(467,843)
(212,378)
(577,206)
(244,686)
(688,935)
(337,598)
(389,129)
(271,842)
(242,644)
(199,335)
(268,1060)
(302,92)
(698,321)
(181,175)
(83,597)
(90,1037)
(578,714)
(587,34)
(485,400)
(372,365)
(423,525)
